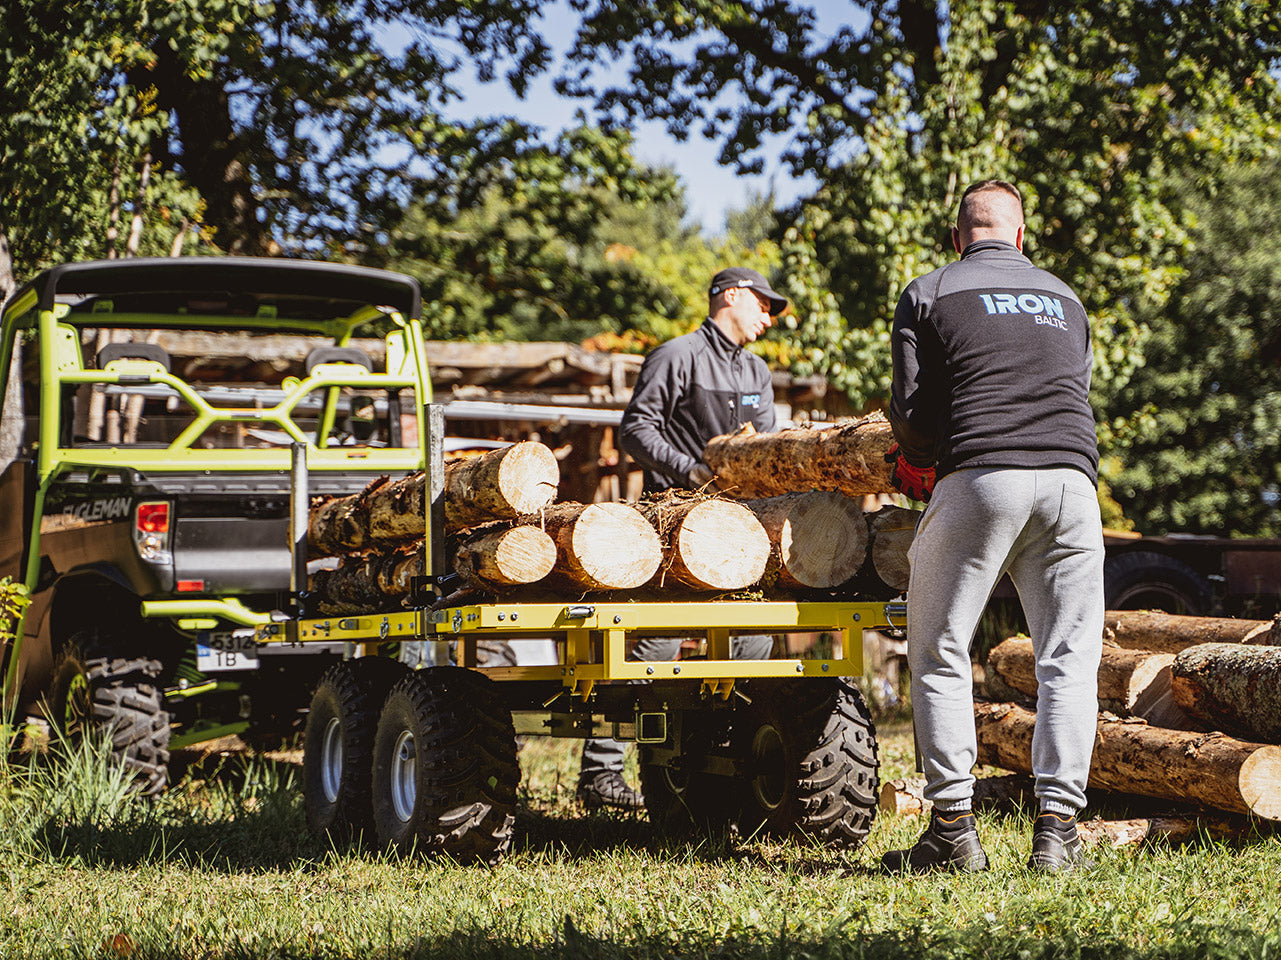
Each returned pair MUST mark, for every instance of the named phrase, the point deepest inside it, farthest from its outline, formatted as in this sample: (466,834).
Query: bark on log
(504,484)
(907,797)
(1130,756)
(1129,680)
(506,558)
(603,546)
(891,530)
(817,539)
(709,544)
(1232,686)
(846,457)
(1170,633)
(1123,833)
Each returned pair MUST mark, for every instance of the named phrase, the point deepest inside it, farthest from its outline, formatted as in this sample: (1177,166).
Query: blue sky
(711,190)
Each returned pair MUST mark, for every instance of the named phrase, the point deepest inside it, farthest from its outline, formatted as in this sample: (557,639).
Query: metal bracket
(721,687)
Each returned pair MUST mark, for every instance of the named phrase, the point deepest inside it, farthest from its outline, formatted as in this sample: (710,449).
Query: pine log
(709,544)
(1174,830)
(504,484)
(1170,633)
(846,457)
(603,546)
(1129,680)
(509,557)
(817,539)
(1233,686)
(891,530)
(1130,756)
(907,797)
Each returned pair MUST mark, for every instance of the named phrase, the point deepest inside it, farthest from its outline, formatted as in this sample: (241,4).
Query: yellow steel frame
(591,638)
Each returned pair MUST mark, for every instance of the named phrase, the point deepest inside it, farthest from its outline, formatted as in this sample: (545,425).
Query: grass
(223,866)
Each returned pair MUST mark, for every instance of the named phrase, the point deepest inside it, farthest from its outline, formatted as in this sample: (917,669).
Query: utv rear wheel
(339,743)
(119,697)
(810,763)
(445,768)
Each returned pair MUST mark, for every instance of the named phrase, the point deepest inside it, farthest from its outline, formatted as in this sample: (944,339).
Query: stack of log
(1190,711)
(505,531)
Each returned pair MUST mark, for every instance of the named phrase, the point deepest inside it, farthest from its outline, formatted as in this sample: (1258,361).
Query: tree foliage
(1207,458)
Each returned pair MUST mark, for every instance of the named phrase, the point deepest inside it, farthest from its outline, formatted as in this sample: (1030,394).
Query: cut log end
(1259,780)
(528,477)
(821,536)
(720,546)
(613,547)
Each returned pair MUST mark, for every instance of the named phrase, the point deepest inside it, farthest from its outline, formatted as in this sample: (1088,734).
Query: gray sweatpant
(1041,526)
(605,753)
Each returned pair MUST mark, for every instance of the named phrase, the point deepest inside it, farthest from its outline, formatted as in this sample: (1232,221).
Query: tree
(1208,456)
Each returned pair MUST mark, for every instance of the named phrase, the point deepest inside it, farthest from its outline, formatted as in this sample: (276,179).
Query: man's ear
(1018,238)
(956,239)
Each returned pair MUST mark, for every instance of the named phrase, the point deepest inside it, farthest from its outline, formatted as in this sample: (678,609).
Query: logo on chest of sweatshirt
(750,400)
(1046,311)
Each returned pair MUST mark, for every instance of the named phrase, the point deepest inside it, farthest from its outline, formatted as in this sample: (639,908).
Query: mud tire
(338,745)
(445,767)
(810,760)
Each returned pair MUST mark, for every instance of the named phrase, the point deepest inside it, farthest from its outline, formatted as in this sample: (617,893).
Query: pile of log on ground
(506,535)
(1190,714)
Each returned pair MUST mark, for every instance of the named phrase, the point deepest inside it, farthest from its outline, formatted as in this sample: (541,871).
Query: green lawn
(224,867)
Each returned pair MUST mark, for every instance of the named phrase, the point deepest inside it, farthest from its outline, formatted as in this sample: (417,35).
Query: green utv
(150,408)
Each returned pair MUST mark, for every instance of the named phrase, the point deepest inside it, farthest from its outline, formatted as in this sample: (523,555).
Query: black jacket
(689,390)
(992,367)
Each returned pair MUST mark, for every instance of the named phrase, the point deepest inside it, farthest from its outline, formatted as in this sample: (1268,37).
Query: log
(847,457)
(817,540)
(603,546)
(1170,633)
(891,530)
(1129,680)
(907,797)
(1174,830)
(709,544)
(504,484)
(1233,686)
(510,557)
(1130,756)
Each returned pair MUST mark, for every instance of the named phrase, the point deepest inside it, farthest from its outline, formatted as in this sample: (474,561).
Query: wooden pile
(1190,711)
(504,531)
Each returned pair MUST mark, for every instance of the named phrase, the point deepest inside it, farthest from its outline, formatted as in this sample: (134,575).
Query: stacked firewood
(505,532)
(1190,711)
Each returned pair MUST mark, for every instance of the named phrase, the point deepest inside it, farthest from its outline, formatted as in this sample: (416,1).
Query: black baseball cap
(747,277)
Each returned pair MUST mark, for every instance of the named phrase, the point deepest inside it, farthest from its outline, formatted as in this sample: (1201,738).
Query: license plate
(226,651)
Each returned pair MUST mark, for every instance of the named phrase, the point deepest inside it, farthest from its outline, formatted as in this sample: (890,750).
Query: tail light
(151,531)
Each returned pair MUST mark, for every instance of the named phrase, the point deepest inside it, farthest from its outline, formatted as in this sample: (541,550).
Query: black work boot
(950,842)
(608,789)
(1056,845)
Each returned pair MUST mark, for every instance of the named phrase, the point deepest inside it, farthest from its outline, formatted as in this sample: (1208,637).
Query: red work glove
(916,482)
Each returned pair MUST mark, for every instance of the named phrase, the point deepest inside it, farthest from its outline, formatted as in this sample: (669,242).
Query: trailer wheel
(1144,580)
(119,697)
(810,763)
(445,768)
(339,742)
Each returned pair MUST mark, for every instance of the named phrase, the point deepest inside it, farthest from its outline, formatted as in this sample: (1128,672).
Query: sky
(711,190)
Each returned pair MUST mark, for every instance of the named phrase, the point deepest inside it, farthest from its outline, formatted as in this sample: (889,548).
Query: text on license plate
(226,651)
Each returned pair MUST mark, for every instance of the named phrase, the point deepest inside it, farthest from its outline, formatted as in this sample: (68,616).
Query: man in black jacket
(993,425)
(689,390)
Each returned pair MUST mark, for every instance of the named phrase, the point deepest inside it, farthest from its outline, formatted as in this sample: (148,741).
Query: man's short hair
(990,203)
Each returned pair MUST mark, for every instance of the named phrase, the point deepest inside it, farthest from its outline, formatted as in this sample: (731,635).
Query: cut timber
(1174,830)
(504,484)
(1170,633)
(1232,686)
(817,539)
(891,530)
(1129,680)
(709,544)
(603,546)
(846,457)
(907,797)
(1130,756)
(510,557)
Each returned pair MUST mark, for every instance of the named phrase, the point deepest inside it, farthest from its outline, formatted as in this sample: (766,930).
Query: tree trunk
(510,557)
(817,539)
(1129,680)
(1132,757)
(891,530)
(709,544)
(846,457)
(502,484)
(1233,687)
(1170,633)
(603,546)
